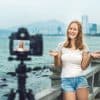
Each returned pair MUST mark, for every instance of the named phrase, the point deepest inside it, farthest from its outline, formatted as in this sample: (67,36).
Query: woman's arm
(95,55)
(86,59)
(57,58)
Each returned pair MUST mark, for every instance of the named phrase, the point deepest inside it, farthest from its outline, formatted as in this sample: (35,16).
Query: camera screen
(21,45)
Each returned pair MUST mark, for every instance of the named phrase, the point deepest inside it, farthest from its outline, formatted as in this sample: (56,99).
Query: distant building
(59,30)
(92,28)
(85,24)
(98,29)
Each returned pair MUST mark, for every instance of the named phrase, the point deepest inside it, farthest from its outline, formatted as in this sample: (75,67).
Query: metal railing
(92,74)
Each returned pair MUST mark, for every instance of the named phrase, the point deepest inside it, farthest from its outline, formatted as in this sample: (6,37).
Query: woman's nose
(72,31)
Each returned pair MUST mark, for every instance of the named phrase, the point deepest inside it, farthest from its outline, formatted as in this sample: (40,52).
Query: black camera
(22,44)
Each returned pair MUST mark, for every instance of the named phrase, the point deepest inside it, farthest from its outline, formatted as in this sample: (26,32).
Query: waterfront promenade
(92,74)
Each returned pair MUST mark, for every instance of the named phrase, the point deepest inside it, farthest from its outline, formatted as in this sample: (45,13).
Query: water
(39,80)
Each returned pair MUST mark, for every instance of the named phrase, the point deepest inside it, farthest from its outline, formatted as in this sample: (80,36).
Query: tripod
(21,76)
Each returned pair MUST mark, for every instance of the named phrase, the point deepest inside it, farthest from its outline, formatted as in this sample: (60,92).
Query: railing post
(55,78)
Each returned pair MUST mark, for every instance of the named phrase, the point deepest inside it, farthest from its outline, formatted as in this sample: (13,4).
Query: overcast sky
(20,12)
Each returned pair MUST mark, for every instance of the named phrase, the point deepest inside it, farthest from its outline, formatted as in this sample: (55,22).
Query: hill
(50,27)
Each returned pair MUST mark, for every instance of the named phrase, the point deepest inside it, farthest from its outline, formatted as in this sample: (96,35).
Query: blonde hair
(79,39)
(21,44)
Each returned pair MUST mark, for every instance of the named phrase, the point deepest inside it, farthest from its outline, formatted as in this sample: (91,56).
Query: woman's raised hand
(53,53)
(95,54)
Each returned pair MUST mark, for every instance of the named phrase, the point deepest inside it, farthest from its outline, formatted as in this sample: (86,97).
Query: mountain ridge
(43,27)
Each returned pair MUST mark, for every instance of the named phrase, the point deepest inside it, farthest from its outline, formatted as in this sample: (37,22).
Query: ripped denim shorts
(73,83)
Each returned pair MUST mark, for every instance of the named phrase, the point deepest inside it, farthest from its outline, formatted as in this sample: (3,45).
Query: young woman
(69,57)
(20,46)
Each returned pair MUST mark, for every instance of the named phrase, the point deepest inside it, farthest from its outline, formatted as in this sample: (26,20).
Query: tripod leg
(12,95)
(30,95)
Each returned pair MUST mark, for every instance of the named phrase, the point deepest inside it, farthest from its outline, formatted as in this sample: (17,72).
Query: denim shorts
(73,83)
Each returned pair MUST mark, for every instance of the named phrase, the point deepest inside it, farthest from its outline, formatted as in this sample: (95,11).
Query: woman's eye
(70,29)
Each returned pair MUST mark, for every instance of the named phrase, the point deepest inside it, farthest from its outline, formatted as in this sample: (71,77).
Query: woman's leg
(82,93)
(69,96)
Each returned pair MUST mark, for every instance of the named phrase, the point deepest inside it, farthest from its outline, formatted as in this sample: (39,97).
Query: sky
(23,12)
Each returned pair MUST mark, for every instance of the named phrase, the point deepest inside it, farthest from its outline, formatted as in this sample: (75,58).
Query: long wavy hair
(79,39)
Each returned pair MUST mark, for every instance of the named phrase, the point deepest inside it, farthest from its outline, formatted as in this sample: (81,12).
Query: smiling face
(73,31)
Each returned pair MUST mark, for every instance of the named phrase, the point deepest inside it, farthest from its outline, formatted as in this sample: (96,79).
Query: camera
(23,44)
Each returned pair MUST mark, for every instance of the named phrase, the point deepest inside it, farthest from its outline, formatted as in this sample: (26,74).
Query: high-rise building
(92,28)
(85,24)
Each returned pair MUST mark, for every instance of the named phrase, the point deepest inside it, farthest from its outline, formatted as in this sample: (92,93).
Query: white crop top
(71,62)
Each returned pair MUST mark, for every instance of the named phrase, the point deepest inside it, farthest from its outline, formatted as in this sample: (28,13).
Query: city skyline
(23,12)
